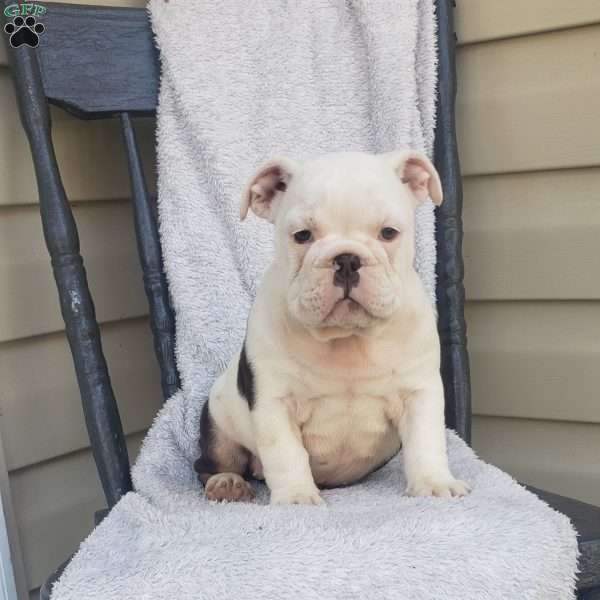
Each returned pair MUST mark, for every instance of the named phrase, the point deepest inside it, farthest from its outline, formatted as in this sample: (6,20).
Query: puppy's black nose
(347,263)
(346,275)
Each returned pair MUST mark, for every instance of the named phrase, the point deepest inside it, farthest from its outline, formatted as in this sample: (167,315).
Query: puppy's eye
(388,233)
(303,236)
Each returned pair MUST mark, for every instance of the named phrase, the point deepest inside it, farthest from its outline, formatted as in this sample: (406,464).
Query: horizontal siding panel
(90,154)
(54,504)
(43,418)
(28,297)
(532,235)
(535,360)
(559,457)
(48,4)
(478,21)
(530,103)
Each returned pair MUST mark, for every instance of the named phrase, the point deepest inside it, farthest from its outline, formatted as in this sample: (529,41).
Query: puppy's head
(344,231)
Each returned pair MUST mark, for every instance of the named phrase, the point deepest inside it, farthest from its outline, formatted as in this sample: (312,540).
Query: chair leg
(60,232)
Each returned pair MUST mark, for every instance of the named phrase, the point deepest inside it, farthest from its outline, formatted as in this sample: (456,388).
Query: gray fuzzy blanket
(166,542)
(243,80)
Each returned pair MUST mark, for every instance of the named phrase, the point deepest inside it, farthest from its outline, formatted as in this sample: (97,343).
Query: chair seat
(368,540)
(586,520)
(585,517)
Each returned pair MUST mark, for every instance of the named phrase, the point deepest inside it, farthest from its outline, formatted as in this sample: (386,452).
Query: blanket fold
(241,81)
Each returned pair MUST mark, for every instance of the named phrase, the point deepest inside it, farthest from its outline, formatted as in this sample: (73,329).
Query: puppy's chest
(342,420)
(346,434)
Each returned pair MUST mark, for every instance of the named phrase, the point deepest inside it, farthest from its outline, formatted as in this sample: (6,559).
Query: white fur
(340,384)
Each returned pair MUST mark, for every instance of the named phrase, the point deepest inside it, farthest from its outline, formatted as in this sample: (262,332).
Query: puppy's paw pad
(309,497)
(441,488)
(228,487)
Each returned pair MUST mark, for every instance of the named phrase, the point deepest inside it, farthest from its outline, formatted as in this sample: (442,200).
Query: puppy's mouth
(347,305)
(351,303)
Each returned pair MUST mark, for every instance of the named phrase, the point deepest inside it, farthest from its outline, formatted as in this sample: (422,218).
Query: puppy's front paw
(297,496)
(228,487)
(442,487)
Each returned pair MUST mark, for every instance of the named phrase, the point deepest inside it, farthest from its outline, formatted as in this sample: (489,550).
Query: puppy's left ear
(265,190)
(417,172)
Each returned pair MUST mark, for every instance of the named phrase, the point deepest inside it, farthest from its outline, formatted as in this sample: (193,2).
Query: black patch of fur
(245,378)
(205,466)
(231,458)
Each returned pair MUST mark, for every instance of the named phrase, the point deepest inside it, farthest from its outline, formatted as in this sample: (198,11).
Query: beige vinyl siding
(553,455)
(512,220)
(530,103)
(536,360)
(529,136)
(480,20)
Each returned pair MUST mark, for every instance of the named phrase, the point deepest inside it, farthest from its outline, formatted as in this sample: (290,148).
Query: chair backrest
(98,62)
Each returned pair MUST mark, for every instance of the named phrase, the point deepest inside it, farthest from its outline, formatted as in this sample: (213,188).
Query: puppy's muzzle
(346,275)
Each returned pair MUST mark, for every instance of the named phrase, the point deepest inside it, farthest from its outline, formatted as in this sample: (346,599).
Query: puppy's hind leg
(222,463)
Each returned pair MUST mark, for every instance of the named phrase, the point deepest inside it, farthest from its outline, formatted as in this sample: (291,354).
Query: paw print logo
(24,31)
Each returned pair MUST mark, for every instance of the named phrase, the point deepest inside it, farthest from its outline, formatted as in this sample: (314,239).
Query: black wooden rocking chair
(99,63)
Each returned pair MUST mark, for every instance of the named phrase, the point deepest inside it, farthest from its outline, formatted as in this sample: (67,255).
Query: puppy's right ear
(266,188)
(417,172)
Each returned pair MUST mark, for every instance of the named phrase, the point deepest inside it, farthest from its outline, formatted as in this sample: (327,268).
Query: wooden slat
(55,503)
(41,408)
(530,103)
(532,235)
(558,457)
(478,20)
(90,154)
(48,4)
(28,297)
(535,360)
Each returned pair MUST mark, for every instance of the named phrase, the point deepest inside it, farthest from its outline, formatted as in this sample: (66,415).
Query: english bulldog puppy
(341,362)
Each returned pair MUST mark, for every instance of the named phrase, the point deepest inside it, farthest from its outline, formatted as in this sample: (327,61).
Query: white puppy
(340,366)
